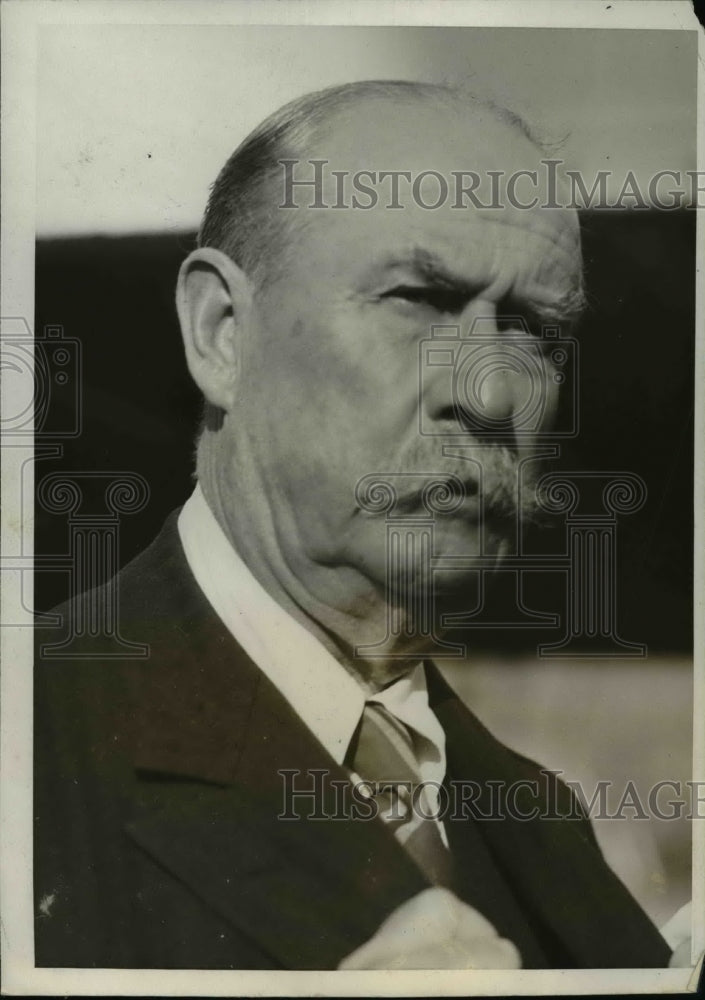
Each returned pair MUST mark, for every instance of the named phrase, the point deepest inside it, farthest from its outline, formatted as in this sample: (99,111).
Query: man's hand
(435,930)
(677,933)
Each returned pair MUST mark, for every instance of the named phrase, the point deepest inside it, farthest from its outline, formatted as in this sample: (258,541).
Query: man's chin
(466,541)
(447,565)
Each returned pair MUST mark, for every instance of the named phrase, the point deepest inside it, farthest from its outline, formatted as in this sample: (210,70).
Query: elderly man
(246,796)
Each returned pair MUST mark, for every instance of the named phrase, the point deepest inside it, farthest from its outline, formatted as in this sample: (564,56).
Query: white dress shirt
(320,690)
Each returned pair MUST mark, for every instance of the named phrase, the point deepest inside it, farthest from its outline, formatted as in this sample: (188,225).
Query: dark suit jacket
(157,795)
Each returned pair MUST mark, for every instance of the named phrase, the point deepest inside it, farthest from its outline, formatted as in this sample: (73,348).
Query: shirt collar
(407,700)
(326,697)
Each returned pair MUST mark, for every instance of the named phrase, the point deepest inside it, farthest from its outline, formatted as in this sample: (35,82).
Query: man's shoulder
(142,659)
(106,649)
(152,595)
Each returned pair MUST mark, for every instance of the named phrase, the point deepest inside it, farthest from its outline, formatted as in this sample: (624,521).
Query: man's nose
(486,383)
(485,391)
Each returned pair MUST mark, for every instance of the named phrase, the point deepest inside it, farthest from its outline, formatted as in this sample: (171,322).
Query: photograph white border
(20,21)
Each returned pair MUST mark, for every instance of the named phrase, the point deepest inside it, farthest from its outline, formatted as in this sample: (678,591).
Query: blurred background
(133,124)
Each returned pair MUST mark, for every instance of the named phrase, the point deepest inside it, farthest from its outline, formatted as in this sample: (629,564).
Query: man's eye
(443,300)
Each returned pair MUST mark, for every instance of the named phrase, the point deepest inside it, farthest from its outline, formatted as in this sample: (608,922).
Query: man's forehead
(537,247)
(482,248)
(464,155)
(392,134)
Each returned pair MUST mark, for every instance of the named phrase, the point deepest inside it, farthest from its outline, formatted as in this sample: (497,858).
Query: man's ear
(214,301)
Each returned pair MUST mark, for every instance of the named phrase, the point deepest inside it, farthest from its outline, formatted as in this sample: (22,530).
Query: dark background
(140,410)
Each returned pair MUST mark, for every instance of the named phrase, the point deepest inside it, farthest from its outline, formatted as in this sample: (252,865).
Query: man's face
(333,388)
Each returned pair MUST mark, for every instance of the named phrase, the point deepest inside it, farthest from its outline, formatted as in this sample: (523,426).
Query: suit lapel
(307,890)
(308,893)
(554,867)
(480,883)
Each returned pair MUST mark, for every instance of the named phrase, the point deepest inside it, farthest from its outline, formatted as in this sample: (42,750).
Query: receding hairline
(324,107)
(238,217)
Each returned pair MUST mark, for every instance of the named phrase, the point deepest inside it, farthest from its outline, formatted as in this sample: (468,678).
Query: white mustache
(492,475)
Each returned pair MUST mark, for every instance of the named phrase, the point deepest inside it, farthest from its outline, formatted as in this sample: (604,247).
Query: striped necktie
(382,752)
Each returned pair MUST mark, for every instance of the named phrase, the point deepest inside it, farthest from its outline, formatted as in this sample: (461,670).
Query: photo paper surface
(352,499)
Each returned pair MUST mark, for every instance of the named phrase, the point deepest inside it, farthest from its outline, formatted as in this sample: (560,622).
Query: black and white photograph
(352,439)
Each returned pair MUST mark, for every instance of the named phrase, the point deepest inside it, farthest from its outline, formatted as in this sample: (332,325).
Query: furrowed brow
(566,309)
(432,268)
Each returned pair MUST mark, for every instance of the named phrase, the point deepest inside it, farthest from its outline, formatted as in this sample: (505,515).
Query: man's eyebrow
(565,308)
(431,267)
